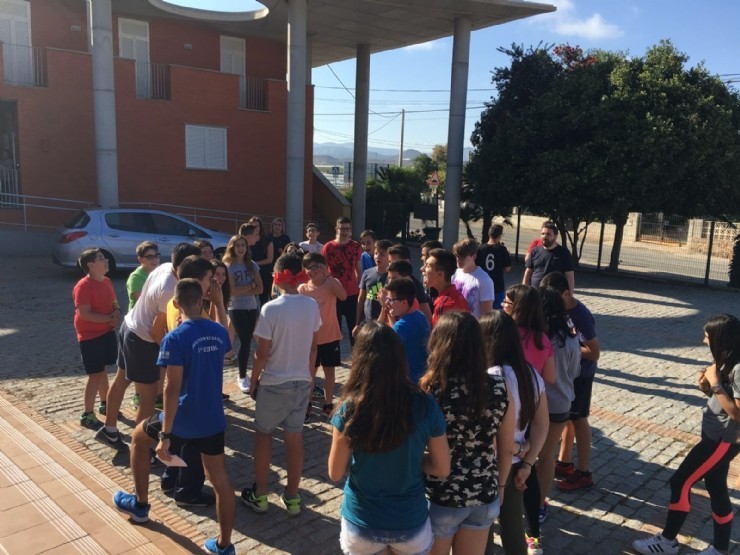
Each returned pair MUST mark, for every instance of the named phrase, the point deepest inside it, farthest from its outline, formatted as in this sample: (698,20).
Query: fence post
(601,245)
(25,216)
(518,229)
(709,252)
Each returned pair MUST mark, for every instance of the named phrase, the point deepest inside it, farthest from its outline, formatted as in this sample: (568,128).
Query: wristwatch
(715,389)
(163,435)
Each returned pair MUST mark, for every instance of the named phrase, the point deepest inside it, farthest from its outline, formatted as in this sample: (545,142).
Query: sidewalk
(645,416)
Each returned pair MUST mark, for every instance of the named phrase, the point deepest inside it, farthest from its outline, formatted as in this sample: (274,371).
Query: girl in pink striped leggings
(720,443)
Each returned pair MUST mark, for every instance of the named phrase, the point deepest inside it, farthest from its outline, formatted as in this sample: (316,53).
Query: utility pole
(400,153)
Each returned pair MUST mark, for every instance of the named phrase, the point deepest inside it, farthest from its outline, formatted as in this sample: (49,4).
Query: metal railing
(252,94)
(152,81)
(8,188)
(24,65)
(39,213)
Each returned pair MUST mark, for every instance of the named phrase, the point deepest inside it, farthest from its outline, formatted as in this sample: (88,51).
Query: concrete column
(297,26)
(456,131)
(362,111)
(104,102)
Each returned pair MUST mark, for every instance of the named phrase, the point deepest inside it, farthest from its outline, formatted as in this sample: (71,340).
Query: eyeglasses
(152,256)
(345,228)
(313,267)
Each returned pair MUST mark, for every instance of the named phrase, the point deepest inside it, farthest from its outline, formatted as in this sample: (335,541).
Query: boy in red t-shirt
(97,315)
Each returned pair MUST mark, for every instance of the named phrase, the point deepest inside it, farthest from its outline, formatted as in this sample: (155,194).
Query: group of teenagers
(457,398)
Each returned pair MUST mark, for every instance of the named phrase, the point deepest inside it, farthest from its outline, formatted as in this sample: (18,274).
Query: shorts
(446,521)
(283,404)
(211,445)
(327,354)
(559,417)
(581,405)
(99,352)
(137,357)
(356,540)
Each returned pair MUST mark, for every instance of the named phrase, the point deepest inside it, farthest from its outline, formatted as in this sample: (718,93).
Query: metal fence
(152,81)
(8,188)
(252,93)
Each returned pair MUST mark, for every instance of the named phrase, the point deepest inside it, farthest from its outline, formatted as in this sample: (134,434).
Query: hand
(712,375)
(522,474)
(253,385)
(703,382)
(355,330)
(526,446)
(215,293)
(162,450)
(115,318)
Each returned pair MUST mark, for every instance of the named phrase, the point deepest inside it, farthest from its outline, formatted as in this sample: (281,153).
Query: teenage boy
(426,248)
(96,316)
(371,284)
(193,356)
(286,335)
(343,258)
(578,477)
(494,258)
(312,243)
(148,255)
(139,337)
(439,268)
(368,238)
(326,291)
(470,280)
(400,253)
(206,248)
(410,325)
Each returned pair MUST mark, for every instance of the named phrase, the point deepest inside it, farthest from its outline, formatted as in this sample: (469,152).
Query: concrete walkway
(56,481)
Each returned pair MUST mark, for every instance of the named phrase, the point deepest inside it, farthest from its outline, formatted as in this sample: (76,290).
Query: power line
(345,86)
(400,90)
(407,111)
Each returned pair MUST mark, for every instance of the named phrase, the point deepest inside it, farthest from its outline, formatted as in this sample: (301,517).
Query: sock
(111,429)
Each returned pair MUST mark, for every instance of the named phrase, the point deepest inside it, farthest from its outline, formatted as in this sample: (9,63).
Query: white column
(295,182)
(456,131)
(362,110)
(104,102)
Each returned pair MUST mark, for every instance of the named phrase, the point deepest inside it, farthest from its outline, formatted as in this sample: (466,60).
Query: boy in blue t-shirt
(410,325)
(193,356)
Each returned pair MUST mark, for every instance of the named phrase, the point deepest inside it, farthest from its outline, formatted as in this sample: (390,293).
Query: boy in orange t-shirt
(97,315)
(325,290)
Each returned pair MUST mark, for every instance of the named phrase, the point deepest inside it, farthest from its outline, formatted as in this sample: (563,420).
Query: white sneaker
(655,544)
(243,384)
(711,550)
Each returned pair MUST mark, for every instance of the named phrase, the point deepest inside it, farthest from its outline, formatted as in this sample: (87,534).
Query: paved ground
(646,416)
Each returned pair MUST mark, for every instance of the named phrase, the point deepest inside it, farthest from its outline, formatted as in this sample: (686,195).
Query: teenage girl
(506,358)
(389,433)
(480,432)
(245,285)
(263,253)
(560,393)
(720,443)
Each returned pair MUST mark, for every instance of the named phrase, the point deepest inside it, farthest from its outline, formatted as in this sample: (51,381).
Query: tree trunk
(487,221)
(619,222)
(734,273)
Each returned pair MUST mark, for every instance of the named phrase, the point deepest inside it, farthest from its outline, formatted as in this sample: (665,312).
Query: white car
(118,231)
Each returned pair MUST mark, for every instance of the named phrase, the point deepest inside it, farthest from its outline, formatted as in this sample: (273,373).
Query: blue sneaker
(126,503)
(211,546)
(543,512)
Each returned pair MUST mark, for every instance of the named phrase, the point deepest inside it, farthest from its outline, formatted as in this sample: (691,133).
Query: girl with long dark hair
(720,443)
(505,358)
(480,432)
(389,433)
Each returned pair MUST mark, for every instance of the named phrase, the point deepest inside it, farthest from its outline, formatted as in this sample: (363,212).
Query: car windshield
(80,220)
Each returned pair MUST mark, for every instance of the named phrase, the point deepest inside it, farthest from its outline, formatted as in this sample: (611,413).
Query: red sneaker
(577,481)
(564,470)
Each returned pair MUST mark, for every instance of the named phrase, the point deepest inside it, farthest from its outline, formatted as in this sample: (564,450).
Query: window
(205,147)
(135,222)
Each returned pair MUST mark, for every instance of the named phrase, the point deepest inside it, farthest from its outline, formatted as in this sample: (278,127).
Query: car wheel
(111,262)
(219,253)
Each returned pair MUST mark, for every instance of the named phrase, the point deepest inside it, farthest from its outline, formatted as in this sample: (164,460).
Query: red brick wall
(52,21)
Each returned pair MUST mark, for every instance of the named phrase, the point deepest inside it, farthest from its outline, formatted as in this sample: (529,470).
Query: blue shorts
(356,540)
(446,521)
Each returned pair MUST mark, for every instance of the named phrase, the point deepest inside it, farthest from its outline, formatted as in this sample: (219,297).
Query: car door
(122,232)
(171,230)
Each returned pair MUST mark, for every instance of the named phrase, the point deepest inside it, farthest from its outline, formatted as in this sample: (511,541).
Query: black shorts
(581,405)
(327,354)
(560,417)
(137,357)
(99,352)
(211,445)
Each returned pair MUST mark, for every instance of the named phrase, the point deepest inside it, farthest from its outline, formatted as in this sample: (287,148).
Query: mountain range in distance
(338,153)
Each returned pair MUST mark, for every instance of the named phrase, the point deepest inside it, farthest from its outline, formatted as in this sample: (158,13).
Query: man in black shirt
(549,257)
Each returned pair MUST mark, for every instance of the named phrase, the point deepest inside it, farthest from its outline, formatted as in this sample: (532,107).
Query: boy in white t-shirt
(286,336)
(470,280)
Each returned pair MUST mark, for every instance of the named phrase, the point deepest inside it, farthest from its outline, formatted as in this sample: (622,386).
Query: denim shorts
(446,521)
(356,540)
(283,404)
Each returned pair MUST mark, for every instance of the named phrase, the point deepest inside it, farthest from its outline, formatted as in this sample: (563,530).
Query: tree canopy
(593,136)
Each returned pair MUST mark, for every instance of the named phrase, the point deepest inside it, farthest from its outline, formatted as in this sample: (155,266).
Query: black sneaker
(200,499)
(111,439)
(90,421)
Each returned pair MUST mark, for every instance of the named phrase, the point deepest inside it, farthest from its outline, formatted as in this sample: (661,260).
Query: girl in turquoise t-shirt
(390,434)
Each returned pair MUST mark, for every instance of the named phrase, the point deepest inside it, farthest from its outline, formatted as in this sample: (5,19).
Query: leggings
(709,460)
(244,322)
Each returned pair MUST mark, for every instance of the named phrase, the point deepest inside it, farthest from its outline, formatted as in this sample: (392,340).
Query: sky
(417,78)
